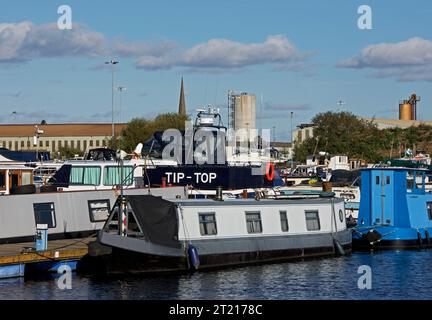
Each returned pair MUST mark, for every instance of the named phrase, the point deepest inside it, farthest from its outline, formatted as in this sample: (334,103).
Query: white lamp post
(112,62)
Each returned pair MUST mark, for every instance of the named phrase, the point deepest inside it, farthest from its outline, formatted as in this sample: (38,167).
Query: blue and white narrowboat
(395,209)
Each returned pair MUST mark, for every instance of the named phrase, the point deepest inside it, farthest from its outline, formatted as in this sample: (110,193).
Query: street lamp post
(121,89)
(112,62)
(292,140)
(274,135)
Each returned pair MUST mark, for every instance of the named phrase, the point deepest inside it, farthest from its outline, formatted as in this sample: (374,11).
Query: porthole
(341,215)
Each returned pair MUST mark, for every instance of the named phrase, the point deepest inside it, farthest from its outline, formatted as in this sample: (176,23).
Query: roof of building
(277,144)
(391,123)
(305,125)
(61,130)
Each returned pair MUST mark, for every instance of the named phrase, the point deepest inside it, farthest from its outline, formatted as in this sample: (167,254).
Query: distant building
(304,131)
(392,123)
(241,113)
(77,136)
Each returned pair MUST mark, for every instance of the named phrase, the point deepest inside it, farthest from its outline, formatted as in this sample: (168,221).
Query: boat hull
(222,253)
(388,237)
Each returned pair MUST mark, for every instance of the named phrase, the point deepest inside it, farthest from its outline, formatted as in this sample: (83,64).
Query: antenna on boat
(122,215)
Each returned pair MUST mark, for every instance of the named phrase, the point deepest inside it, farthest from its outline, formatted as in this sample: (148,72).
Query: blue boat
(395,210)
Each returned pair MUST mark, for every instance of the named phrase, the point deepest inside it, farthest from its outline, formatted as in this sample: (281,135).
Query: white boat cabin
(13,176)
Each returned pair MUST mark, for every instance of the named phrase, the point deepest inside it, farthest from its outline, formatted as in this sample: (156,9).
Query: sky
(295,56)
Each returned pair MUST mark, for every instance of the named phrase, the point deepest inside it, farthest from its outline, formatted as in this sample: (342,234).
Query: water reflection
(395,275)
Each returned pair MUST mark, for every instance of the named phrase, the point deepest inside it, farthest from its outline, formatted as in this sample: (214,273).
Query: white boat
(13,176)
(191,234)
(104,175)
(72,214)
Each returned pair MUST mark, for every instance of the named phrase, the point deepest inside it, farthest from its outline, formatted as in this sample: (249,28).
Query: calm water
(395,275)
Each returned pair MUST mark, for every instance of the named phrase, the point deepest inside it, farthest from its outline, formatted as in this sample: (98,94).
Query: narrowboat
(395,209)
(155,235)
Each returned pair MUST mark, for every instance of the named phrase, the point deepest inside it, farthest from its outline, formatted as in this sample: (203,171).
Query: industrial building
(52,137)
(407,115)
(241,114)
(408,108)
(394,123)
(407,118)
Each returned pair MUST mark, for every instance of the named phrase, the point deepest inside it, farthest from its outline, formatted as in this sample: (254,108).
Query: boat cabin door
(3,175)
(382,197)
(14,178)
(19,178)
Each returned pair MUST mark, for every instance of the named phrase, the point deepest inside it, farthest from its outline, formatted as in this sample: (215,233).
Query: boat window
(253,222)
(284,220)
(112,175)
(377,179)
(2,180)
(85,175)
(341,215)
(410,181)
(45,214)
(99,210)
(207,222)
(387,179)
(312,220)
(26,178)
(429,209)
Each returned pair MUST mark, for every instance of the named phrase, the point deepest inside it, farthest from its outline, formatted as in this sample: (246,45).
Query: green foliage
(140,129)
(345,133)
(67,153)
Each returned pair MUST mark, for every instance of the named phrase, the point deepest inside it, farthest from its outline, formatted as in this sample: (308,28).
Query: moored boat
(395,210)
(160,235)
(73,214)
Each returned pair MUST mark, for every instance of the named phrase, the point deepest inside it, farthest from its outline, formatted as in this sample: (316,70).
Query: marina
(215,151)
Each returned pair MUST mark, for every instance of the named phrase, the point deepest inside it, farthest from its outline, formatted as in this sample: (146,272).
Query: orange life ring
(270,171)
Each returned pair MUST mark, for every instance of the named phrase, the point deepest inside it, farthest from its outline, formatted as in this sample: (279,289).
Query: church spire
(182,103)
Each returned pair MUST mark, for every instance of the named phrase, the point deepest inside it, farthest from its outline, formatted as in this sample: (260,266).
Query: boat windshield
(350,177)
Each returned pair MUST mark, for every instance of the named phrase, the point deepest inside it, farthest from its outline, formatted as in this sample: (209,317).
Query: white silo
(244,114)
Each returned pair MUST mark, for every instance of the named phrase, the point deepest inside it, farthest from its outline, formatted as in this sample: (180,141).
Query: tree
(340,133)
(69,153)
(345,133)
(140,129)
(170,121)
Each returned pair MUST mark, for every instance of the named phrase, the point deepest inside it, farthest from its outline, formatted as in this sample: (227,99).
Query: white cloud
(409,60)
(24,41)
(226,54)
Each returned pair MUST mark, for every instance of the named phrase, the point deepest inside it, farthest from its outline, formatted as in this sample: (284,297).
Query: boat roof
(396,169)
(209,203)
(15,167)
(101,162)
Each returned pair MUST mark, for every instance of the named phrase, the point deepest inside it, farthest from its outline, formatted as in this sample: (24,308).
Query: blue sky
(300,56)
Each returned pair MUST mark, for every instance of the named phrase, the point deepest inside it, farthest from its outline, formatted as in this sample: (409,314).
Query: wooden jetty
(20,259)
